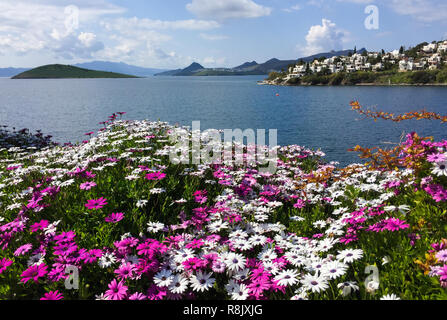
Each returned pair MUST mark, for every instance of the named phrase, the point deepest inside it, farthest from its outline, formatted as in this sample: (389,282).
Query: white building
(430,48)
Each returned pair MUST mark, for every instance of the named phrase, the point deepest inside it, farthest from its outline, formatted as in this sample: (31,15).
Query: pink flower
(394,224)
(442,255)
(115,217)
(4,263)
(34,273)
(117,291)
(299,204)
(436,157)
(155,176)
(23,249)
(96,203)
(87,185)
(39,226)
(52,295)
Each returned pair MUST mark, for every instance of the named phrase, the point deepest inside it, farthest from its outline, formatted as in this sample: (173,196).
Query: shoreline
(270,83)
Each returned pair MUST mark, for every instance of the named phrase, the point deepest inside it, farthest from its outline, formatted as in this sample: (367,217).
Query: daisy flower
(163,278)
(179,284)
(286,278)
(155,227)
(240,292)
(34,273)
(96,203)
(52,295)
(202,281)
(235,261)
(390,297)
(314,283)
(87,185)
(347,287)
(440,168)
(350,255)
(334,269)
(115,217)
(117,290)
(442,255)
(4,264)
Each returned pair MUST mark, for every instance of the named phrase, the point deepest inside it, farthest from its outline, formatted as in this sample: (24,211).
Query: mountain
(251,68)
(9,72)
(59,71)
(119,67)
(246,66)
(188,71)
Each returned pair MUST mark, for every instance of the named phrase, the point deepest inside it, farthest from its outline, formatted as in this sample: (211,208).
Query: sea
(317,117)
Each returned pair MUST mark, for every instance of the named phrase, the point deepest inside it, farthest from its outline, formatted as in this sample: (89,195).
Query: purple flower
(34,273)
(4,263)
(87,185)
(117,290)
(155,176)
(23,249)
(96,203)
(115,217)
(52,295)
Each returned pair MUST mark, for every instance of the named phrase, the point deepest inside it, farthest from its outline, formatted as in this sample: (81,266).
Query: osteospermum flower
(115,217)
(442,255)
(440,168)
(117,290)
(315,283)
(52,295)
(87,185)
(390,297)
(34,272)
(23,249)
(96,203)
(155,176)
(350,255)
(202,281)
(4,264)
(287,278)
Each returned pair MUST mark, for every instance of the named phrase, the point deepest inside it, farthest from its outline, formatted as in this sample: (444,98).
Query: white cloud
(293,8)
(324,37)
(41,26)
(150,24)
(227,9)
(422,10)
(212,62)
(213,37)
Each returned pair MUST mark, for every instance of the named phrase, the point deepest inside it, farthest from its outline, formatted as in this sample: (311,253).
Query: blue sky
(215,33)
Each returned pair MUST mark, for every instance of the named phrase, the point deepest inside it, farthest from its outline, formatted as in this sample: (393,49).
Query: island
(424,64)
(59,71)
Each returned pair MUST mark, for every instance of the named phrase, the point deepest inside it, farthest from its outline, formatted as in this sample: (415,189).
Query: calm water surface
(317,117)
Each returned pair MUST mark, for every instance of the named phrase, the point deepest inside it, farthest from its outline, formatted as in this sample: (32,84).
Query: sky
(171,34)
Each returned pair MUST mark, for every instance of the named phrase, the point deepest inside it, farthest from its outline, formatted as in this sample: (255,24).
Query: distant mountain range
(195,69)
(116,67)
(251,68)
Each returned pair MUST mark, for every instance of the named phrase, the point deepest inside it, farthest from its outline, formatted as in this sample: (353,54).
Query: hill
(59,71)
(250,68)
(119,67)
(188,71)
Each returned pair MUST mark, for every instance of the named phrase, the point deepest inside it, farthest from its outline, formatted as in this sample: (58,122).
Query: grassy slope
(58,71)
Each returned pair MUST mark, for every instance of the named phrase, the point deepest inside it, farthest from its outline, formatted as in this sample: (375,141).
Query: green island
(59,71)
(424,64)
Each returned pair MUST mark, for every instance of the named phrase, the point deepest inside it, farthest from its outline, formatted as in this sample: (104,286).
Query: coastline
(272,83)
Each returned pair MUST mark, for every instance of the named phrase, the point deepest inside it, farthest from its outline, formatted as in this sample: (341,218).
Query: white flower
(334,269)
(350,255)
(141,203)
(163,278)
(347,287)
(440,169)
(314,283)
(202,281)
(386,260)
(390,297)
(106,260)
(235,261)
(287,278)
(154,227)
(240,292)
(179,284)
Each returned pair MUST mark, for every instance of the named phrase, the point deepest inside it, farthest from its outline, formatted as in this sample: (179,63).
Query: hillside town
(425,56)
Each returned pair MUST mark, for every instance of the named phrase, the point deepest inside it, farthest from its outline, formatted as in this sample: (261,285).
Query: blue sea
(316,117)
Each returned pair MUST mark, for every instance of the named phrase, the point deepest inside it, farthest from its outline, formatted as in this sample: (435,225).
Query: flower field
(135,225)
